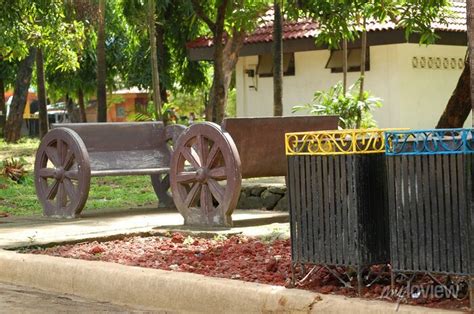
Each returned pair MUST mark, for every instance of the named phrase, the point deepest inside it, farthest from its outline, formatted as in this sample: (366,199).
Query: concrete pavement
(19,299)
(27,231)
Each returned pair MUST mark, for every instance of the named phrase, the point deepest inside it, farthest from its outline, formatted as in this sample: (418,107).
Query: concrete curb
(174,291)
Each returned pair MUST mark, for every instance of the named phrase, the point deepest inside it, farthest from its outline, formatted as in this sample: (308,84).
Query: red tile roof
(308,29)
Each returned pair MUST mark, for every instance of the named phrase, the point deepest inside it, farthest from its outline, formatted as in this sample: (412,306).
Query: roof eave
(374,38)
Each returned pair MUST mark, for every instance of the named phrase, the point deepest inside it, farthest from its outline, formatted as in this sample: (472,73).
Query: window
(353,60)
(120,111)
(265,65)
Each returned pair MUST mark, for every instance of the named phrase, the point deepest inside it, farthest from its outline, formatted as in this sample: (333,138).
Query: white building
(414,81)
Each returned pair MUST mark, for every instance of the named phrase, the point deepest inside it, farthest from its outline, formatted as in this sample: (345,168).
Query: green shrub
(354,113)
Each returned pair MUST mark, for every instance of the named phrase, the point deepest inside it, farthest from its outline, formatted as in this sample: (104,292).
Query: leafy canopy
(344,19)
(178,25)
(42,24)
(240,15)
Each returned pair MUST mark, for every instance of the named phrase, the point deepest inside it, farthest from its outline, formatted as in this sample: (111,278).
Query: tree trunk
(162,54)
(101,66)
(344,66)
(363,55)
(459,105)
(154,60)
(82,107)
(70,108)
(225,59)
(42,102)
(3,108)
(277,60)
(470,40)
(20,94)
(218,95)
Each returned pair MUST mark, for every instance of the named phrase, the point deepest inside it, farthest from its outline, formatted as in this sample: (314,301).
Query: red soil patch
(239,258)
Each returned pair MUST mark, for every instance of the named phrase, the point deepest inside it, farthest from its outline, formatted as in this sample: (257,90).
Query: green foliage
(244,15)
(8,72)
(231,108)
(354,111)
(343,19)
(239,15)
(178,25)
(167,110)
(42,24)
(14,169)
(119,37)
(186,102)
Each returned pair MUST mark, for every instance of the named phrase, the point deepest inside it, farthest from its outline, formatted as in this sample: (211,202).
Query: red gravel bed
(237,257)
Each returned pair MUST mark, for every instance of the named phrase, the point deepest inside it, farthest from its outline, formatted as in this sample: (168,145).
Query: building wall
(412,97)
(122,106)
(30,97)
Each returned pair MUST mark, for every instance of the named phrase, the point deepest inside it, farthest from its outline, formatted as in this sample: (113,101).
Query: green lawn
(106,192)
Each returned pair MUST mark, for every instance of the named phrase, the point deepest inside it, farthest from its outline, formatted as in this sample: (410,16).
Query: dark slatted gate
(430,194)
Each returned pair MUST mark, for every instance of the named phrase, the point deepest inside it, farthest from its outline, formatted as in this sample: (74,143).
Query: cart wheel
(62,173)
(161,182)
(205,175)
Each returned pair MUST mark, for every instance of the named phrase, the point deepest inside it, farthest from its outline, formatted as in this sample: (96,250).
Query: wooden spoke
(193,195)
(70,190)
(216,190)
(186,177)
(60,147)
(212,155)
(72,174)
(52,190)
(202,149)
(46,173)
(189,155)
(61,199)
(218,173)
(68,160)
(206,199)
(52,154)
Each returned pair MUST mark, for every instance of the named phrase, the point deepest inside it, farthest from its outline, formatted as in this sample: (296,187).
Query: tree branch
(200,12)
(221,14)
(219,30)
(232,47)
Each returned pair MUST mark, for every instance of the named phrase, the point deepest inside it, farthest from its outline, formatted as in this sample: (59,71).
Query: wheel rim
(62,173)
(161,182)
(205,175)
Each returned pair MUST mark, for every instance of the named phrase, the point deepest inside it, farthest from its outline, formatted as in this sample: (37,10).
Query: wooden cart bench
(70,154)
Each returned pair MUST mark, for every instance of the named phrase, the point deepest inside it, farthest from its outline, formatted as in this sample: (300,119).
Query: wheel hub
(59,173)
(201,175)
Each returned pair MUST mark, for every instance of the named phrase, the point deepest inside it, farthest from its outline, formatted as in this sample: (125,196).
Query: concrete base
(174,291)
